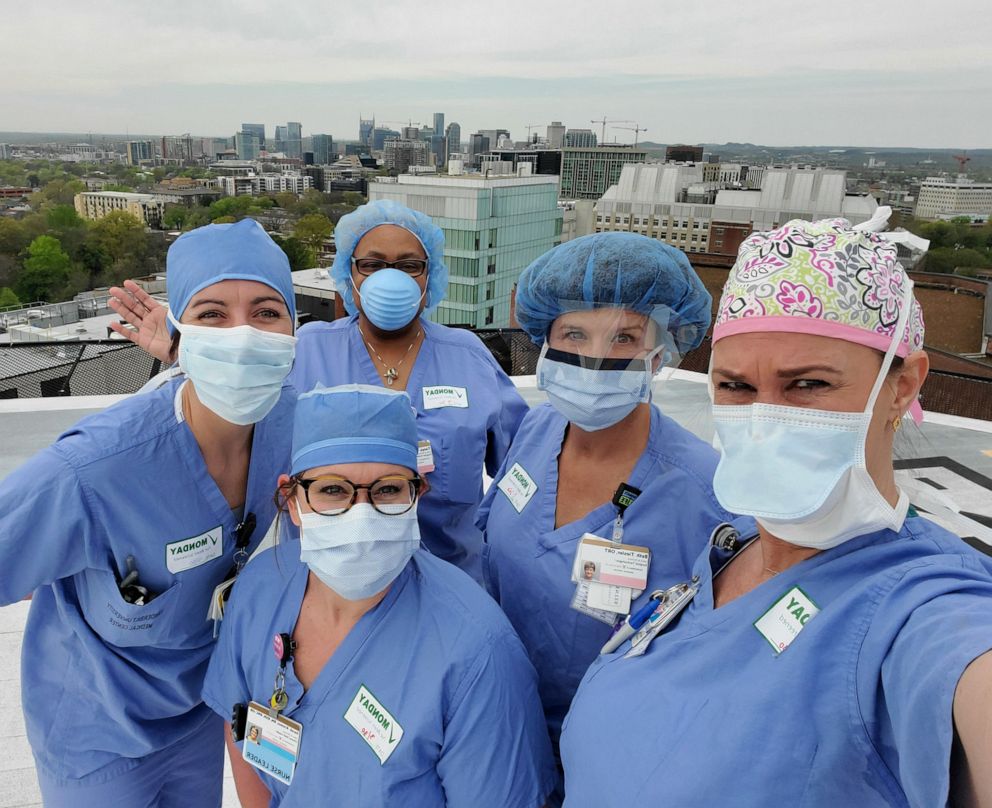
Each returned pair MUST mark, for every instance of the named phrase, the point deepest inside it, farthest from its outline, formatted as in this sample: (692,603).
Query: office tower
(282,135)
(256,129)
(556,135)
(323,149)
(138,150)
(452,140)
(365,128)
(294,139)
(580,139)
(246,145)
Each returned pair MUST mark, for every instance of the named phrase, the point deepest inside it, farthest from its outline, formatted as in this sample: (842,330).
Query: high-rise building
(365,128)
(282,135)
(556,135)
(942,198)
(294,139)
(478,145)
(4,151)
(401,153)
(246,145)
(494,135)
(452,140)
(680,153)
(138,150)
(256,129)
(580,139)
(323,149)
(177,147)
(438,140)
(587,173)
(493,227)
(380,135)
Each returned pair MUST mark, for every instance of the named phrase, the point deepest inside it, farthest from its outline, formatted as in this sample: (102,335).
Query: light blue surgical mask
(237,372)
(390,298)
(594,393)
(359,552)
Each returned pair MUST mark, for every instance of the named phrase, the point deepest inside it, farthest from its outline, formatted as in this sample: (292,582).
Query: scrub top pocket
(126,624)
(455,482)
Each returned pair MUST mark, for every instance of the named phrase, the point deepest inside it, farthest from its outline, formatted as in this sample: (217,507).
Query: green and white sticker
(185,554)
(443,395)
(781,624)
(374,723)
(518,487)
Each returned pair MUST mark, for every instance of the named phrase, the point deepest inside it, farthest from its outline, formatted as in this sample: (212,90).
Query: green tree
(59,190)
(175,217)
(296,251)
(8,298)
(353,198)
(46,271)
(313,229)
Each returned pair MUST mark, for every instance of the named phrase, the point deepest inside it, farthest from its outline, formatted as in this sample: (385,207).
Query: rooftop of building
(472,180)
(129,195)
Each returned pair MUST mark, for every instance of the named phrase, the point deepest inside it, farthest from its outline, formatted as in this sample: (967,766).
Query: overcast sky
(833,73)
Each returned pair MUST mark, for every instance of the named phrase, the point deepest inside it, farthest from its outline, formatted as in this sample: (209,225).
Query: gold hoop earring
(896,423)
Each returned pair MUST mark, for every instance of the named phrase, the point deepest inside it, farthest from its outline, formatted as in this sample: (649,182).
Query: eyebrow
(401,257)
(785,373)
(254,302)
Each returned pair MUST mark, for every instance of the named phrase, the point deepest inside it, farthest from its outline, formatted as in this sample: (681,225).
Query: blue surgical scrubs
(468,428)
(438,656)
(527,562)
(111,689)
(855,711)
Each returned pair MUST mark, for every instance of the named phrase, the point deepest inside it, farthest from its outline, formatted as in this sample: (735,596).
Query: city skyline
(859,75)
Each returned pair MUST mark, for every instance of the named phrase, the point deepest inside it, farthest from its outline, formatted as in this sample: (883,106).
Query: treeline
(955,246)
(51,254)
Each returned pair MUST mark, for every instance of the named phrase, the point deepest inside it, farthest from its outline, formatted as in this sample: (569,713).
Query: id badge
(580,602)
(425,457)
(272,743)
(605,562)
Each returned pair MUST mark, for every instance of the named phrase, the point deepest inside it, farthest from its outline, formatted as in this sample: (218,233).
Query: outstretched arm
(147,315)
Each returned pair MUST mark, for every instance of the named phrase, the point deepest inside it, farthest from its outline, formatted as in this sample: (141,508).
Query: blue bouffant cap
(349,231)
(354,423)
(221,252)
(622,270)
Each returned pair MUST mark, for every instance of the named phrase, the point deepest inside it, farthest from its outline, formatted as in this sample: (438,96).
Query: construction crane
(636,129)
(409,124)
(963,160)
(604,122)
(530,126)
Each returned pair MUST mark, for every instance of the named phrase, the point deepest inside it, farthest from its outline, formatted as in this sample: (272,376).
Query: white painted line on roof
(57,404)
(956,421)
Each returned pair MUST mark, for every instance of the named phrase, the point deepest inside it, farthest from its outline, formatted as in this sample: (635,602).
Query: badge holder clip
(671,604)
(283,646)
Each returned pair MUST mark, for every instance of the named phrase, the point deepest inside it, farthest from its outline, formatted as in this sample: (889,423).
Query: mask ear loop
(902,324)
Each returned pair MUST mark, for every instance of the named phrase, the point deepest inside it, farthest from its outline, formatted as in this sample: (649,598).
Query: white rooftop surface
(953,454)
(311,281)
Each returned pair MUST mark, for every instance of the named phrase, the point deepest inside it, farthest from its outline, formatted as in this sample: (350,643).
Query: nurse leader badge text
(781,624)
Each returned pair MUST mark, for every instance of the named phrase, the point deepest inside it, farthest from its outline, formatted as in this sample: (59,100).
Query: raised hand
(147,315)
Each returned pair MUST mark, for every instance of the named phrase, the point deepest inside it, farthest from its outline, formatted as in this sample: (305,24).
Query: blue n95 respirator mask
(390,298)
(592,392)
(361,551)
(237,372)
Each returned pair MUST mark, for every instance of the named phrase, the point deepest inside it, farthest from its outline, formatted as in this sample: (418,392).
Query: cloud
(764,68)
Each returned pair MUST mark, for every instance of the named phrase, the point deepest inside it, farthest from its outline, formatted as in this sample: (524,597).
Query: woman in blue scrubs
(395,680)
(390,271)
(126,524)
(609,310)
(842,656)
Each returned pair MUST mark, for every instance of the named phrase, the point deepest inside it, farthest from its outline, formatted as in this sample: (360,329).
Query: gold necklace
(392,372)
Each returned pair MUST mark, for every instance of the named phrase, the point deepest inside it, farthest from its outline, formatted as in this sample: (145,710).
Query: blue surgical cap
(354,423)
(622,270)
(221,252)
(351,228)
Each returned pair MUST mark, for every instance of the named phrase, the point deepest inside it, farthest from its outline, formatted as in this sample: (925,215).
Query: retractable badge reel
(608,573)
(271,742)
(221,593)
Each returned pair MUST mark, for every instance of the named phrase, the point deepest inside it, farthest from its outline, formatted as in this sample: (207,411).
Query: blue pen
(632,623)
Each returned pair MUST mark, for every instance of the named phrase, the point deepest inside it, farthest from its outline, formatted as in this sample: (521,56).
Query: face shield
(598,362)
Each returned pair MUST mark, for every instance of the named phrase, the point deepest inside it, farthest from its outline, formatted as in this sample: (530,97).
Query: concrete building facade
(942,198)
(323,149)
(148,208)
(580,139)
(587,173)
(494,227)
(665,201)
(400,154)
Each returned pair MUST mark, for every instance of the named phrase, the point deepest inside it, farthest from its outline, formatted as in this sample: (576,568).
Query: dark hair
(174,346)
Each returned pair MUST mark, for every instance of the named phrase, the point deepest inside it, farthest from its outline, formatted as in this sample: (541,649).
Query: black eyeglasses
(414,267)
(333,495)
